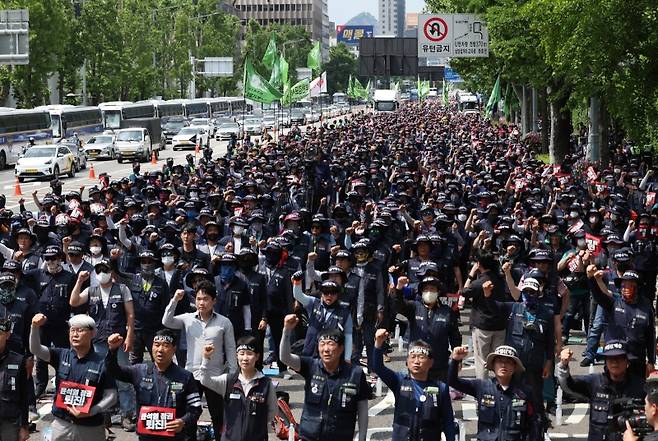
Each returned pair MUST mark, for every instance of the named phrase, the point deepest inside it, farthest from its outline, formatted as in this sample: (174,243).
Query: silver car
(226,129)
(101,147)
(253,126)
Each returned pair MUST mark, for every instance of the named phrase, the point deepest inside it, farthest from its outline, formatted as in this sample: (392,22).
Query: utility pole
(594,138)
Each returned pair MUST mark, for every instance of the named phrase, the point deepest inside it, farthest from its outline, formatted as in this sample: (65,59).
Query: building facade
(312,15)
(391,17)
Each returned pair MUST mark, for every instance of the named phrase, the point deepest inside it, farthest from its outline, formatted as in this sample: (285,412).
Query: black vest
(530,344)
(496,423)
(92,376)
(435,331)
(246,416)
(415,421)
(148,303)
(330,413)
(321,318)
(9,393)
(108,320)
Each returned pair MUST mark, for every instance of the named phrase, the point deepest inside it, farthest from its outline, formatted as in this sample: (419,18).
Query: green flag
(423,89)
(270,54)
(492,104)
(283,69)
(358,90)
(313,59)
(256,88)
(350,87)
(297,92)
(446,99)
(367,91)
(275,76)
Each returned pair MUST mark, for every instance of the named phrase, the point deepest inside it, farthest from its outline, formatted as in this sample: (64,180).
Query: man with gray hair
(83,389)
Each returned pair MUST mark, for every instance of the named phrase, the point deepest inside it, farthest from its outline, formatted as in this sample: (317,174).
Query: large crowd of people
(304,253)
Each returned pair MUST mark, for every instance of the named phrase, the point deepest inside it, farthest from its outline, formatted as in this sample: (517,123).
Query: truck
(468,103)
(386,100)
(138,139)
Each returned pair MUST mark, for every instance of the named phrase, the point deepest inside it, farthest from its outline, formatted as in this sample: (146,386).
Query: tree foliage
(340,66)
(572,49)
(136,49)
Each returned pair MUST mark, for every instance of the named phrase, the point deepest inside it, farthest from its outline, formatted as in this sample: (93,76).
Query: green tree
(47,46)
(340,66)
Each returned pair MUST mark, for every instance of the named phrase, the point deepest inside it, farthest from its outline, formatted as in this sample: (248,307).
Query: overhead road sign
(452,35)
(14,36)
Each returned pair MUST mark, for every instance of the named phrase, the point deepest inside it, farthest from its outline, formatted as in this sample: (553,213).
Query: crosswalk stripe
(385,403)
(578,413)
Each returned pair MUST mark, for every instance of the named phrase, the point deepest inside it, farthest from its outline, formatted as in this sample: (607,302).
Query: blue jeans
(599,324)
(126,392)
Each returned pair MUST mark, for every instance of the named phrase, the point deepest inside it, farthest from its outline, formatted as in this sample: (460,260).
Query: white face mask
(95,251)
(573,214)
(237,230)
(104,278)
(168,260)
(430,297)
(461,217)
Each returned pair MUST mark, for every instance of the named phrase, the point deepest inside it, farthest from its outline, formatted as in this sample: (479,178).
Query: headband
(334,338)
(245,347)
(163,339)
(420,350)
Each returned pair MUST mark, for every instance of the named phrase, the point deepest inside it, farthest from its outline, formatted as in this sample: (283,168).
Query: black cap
(7,277)
(52,251)
(75,248)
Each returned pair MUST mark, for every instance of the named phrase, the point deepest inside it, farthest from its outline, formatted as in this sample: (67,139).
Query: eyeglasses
(78,330)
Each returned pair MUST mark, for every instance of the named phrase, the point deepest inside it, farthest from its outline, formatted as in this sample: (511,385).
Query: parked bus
(218,107)
(16,129)
(165,109)
(116,111)
(66,120)
(237,105)
(340,97)
(196,108)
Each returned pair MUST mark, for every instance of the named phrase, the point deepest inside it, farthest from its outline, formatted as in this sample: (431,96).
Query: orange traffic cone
(154,160)
(17,188)
(92,172)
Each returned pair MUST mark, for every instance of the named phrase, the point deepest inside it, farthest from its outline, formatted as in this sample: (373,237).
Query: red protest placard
(651,199)
(70,394)
(591,174)
(152,420)
(594,244)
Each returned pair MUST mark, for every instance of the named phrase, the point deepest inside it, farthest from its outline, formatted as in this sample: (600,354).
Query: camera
(631,410)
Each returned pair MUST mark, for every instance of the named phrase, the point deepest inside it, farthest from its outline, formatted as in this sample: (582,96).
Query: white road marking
(385,403)
(578,413)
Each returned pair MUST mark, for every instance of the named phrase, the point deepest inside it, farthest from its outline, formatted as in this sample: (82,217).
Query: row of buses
(51,123)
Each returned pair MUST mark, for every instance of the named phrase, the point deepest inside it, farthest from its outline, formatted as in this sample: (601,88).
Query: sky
(342,10)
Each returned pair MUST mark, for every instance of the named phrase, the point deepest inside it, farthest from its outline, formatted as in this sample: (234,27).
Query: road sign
(470,36)
(217,67)
(452,35)
(14,36)
(435,29)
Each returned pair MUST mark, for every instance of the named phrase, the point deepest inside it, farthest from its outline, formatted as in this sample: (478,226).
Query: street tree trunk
(604,123)
(545,120)
(560,128)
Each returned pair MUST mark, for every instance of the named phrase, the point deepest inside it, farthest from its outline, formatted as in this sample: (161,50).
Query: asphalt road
(574,416)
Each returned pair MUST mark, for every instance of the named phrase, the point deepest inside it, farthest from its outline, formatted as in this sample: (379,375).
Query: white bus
(339,97)
(16,129)
(116,111)
(165,109)
(237,105)
(196,108)
(66,120)
(468,103)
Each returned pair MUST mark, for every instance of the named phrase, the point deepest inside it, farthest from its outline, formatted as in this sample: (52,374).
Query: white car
(101,146)
(206,123)
(269,122)
(188,137)
(45,161)
(226,129)
(253,126)
(312,116)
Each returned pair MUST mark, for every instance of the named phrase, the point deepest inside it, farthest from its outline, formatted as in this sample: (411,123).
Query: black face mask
(272,258)
(212,237)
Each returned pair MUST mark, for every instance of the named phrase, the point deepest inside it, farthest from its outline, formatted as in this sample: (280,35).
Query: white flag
(319,85)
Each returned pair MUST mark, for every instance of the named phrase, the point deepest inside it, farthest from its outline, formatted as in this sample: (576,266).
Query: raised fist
(297,276)
(38,320)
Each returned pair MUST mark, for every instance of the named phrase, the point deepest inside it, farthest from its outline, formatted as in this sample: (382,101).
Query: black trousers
(143,342)
(215,408)
(276,327)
